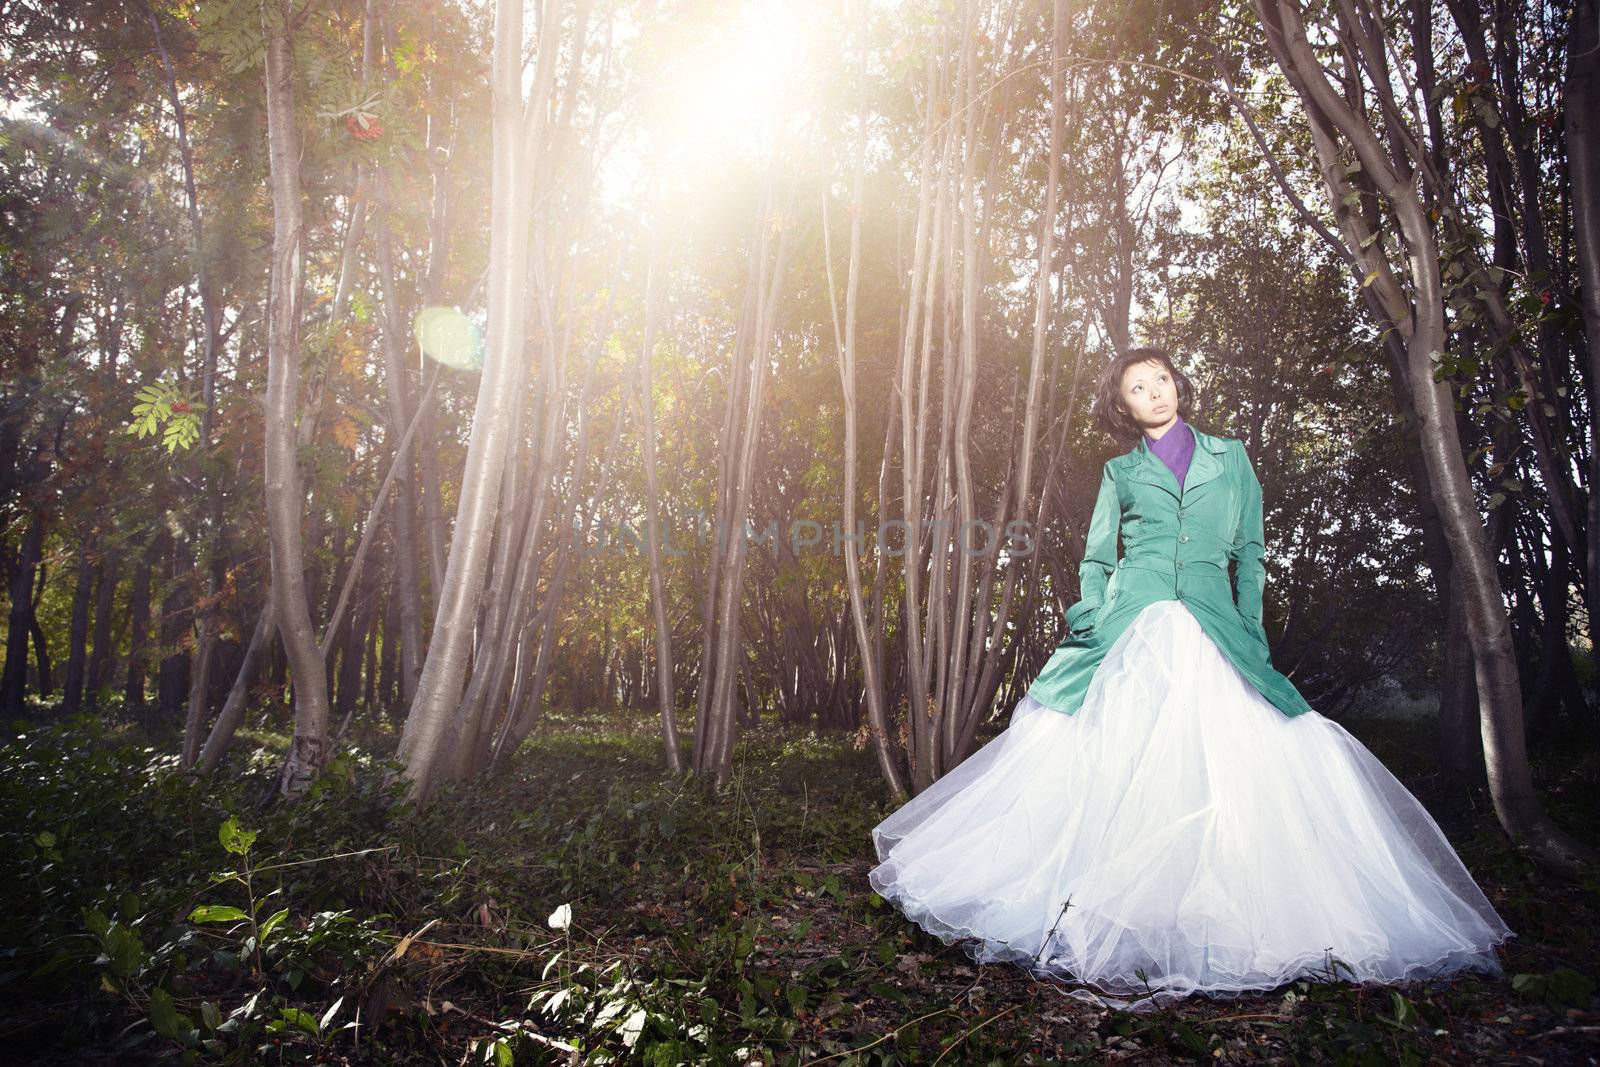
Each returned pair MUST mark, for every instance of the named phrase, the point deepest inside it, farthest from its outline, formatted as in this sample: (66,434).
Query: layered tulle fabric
(1180,826)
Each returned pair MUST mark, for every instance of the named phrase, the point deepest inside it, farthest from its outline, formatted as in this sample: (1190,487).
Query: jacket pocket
(1110,599)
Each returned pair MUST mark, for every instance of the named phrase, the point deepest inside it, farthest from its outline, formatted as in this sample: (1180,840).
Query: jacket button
(1183,537)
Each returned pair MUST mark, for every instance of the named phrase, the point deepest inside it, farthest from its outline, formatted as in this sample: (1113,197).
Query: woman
(1164,814)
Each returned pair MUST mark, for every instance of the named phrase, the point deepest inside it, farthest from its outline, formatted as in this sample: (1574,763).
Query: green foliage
(579,904)
(167,407)
(232,29)
(1563,987)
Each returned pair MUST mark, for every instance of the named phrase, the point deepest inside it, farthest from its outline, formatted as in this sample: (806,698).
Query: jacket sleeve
(1099,551)
(1249,545)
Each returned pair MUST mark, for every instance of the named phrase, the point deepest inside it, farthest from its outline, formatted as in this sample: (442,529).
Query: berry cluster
(363,127)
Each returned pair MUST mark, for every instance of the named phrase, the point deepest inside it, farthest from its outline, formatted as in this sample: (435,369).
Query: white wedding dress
(1180,825)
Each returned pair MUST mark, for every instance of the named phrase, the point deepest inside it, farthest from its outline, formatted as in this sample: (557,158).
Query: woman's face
(1150,395)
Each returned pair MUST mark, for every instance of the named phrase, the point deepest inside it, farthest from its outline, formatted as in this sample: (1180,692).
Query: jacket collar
(1145,466)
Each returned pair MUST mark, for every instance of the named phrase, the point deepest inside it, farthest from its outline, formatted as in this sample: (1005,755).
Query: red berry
(363,127)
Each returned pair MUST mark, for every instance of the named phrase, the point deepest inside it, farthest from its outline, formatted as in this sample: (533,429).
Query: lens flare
(450,337)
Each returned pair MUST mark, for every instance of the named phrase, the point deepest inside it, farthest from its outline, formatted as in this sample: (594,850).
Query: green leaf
(558,998)
(96,921)
(164,1015)
(124,950)
(301,1020)
(272,923)
(327,1016)
(210,1015)
(235,838)
(1191,1040)
(632,1027)
(216,913)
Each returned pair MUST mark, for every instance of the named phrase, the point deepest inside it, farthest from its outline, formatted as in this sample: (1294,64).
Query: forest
(484,541)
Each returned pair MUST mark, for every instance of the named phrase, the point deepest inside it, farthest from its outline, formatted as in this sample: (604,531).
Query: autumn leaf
(346,432)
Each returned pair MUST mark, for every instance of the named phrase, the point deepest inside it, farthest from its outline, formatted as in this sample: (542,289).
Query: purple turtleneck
(1175,448)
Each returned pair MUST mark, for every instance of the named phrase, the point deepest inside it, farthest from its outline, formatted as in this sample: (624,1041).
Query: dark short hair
(1109,413)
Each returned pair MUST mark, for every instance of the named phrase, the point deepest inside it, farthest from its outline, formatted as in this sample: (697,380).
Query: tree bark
(256,652)
(845,342)
(403,513)
(139,638)
(103,650)
(724,693)
(516,128)
(666,697)
(285,499)
(1582,112)
(1477,592)
(78,632)
(14,681)
(177,615)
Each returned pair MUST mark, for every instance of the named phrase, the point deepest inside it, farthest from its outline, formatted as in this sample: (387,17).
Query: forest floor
(581,908)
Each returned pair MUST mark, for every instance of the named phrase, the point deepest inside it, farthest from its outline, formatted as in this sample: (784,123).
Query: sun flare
(738,87)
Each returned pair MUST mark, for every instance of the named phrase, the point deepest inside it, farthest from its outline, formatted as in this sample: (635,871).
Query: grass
(582,908)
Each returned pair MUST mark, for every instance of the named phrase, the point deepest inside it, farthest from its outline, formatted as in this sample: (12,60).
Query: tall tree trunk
(915,348)
(433,519)
(14,680)
(1477,592)
(177,615)
(845,342)
(103,646)
(715,755)
(1582,112)
(78,631)
(256,653)
(285,500)
(407,575)
(665,695)
(139,614)
(517,127)
(717,569)
(43,682)
(211,312)
(1460,734)
(347,677)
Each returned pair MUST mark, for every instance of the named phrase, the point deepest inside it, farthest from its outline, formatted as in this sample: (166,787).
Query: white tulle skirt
(1181,826)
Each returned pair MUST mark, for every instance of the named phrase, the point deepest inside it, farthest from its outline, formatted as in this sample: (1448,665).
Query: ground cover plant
(581,909)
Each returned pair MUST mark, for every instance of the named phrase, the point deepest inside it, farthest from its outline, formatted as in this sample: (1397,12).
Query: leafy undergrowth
(580,908)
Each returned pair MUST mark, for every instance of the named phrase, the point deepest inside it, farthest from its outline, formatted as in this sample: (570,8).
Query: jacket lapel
(1206,464)
(1203,467)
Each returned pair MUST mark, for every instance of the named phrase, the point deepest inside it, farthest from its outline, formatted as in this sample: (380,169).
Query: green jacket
(1177,544)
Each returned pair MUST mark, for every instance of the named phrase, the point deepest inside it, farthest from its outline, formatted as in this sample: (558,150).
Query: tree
(517,128)
(308,748)
(1387,152)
